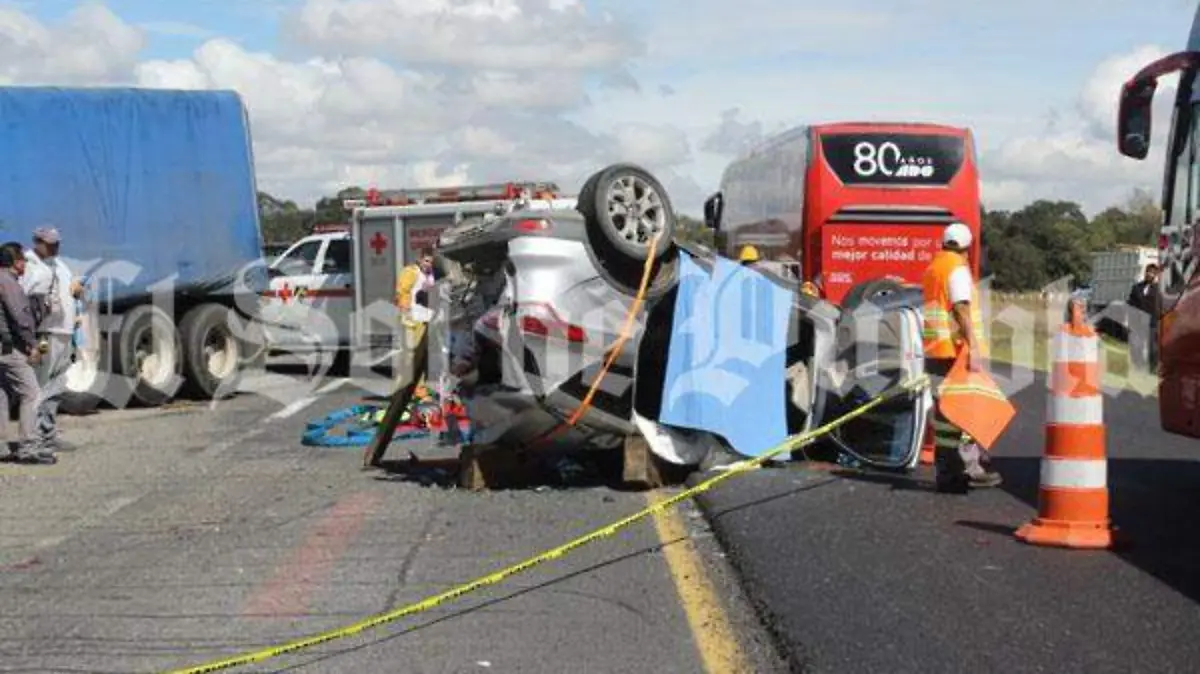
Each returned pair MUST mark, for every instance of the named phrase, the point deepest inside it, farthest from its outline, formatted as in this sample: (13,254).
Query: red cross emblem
(379,243)
(285,293)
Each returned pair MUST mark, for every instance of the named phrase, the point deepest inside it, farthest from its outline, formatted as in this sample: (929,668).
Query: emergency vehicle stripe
(1069,410)
(1074,473)
(1075,349)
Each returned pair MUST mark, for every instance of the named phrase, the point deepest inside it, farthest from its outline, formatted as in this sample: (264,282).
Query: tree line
(1024,249)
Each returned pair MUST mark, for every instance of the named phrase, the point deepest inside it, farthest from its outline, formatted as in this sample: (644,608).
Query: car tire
(869,291)
(148,333)
(627,235)
(212,353)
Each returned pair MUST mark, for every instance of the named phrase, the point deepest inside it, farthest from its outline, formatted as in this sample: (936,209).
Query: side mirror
(1137,97)
(1134,118)
(714,206)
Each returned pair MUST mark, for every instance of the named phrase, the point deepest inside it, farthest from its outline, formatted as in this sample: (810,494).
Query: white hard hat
(957,235)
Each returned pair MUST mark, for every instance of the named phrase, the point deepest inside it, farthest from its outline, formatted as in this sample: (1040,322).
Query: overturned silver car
(536,301)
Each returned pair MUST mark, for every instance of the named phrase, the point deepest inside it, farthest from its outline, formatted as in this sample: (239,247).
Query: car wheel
(869,292)
(627,206)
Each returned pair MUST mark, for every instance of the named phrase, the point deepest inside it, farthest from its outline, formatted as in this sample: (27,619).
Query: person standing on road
(953,323)
(412,297)
(19,354)
(52,291)
(1145,296)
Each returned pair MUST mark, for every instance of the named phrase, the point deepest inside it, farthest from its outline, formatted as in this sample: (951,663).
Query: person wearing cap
(953,323)
(19,354)
(52,291)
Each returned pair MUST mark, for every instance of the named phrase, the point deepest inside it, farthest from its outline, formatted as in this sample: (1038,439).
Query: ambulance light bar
(330,228)
(449,195)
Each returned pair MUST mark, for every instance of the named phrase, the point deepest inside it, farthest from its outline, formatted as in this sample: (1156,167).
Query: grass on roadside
(1029,349)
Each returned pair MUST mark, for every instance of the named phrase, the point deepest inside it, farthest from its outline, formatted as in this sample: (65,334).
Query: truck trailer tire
(149,354)
(85,386)
(212,353)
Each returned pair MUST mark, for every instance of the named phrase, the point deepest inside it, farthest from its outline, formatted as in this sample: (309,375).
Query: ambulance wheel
(212,353)
(625,206)
(149,355)
(869,292)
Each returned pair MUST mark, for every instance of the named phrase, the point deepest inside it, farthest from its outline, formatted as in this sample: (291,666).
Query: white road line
(295,407)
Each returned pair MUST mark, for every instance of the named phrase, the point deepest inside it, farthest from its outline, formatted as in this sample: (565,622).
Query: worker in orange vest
(953,322)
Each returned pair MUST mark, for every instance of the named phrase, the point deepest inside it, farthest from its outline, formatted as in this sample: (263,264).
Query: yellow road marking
(720,650)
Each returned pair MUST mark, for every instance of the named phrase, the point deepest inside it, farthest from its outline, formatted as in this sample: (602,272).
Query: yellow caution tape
(791,444)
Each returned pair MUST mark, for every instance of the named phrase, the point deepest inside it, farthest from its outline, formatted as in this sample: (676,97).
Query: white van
(310,300)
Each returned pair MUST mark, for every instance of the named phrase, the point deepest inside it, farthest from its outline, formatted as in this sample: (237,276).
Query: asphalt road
(177,536)
(855,572)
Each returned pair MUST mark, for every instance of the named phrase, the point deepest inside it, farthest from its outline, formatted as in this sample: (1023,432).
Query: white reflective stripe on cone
(1073,349)
(1064,410)
(1075,473)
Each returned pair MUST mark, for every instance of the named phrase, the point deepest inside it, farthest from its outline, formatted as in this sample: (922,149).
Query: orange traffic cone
(1073,500)
(927,447)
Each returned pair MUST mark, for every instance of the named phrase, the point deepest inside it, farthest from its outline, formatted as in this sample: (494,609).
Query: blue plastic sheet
(727,362)
(161,181)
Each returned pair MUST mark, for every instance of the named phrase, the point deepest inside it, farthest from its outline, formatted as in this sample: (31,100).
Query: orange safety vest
(940,333)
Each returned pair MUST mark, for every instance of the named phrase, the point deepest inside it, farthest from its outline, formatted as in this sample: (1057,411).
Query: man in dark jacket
(19,354)
(1144,296)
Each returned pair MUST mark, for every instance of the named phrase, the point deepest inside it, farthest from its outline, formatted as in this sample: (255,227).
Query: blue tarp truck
(154,194)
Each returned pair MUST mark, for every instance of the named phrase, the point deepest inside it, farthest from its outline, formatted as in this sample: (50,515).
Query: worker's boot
(977,474)
(950,476)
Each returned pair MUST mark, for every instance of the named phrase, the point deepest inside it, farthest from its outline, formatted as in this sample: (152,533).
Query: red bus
(1178,333)
(853,202)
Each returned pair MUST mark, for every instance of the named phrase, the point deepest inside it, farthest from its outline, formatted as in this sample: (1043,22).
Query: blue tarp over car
(727,362)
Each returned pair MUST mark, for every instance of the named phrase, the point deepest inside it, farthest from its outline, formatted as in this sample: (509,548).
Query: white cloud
(1075,156)
(412,92)
(90,46)
(524,35)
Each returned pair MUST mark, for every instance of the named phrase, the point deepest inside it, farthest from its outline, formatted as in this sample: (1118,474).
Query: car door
(875,351)
(283,315)
(331,295)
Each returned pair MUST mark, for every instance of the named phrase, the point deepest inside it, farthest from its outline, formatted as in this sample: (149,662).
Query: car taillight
(531,225)
(543,321)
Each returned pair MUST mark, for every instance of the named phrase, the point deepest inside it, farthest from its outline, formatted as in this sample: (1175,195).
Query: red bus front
(877,197)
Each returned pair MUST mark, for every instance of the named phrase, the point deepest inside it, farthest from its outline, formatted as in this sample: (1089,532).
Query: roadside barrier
(792,444)
(1073,509)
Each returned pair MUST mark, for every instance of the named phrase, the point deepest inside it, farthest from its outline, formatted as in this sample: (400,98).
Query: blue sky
(1004,69)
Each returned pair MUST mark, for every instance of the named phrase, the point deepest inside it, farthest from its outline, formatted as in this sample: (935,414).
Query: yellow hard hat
(810,288)
(748,254)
